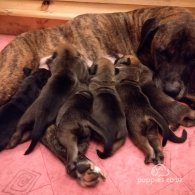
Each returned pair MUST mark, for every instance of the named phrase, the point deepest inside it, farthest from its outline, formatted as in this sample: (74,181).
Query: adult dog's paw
(88,174)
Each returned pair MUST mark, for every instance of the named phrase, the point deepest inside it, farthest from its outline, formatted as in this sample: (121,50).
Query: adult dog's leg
(189,119)
(88,174)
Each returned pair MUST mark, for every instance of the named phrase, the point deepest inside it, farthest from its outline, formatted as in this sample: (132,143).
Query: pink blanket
(42,173)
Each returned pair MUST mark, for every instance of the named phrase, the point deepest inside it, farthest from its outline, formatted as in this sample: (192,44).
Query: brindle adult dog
(165,36)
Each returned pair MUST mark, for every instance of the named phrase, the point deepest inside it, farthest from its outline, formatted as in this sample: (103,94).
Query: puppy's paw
(159,158)
(89,174)
(148,160)
(14,141)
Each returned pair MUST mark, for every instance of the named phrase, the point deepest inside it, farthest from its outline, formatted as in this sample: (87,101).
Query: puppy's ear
(123,60)
(93,69)
(50,60)
(116,70)
(148,31)
(27,71)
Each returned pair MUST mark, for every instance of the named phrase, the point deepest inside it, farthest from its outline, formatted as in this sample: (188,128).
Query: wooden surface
(182,3)
(66,10)
(58,10)
(14,25)
(17,16)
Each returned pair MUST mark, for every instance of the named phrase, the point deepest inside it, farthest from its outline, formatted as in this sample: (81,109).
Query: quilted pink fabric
(42,173)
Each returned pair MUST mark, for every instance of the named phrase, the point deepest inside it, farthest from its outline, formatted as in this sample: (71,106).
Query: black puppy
(11,112)
(107,108)
(67,68)
(142,120)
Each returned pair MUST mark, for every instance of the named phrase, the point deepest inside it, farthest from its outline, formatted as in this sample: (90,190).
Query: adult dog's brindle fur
(166,34)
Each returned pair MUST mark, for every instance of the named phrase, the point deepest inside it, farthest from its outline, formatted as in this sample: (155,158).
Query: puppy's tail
(175,139)
(167,133)
(36,135)
(31,146)
(108,143)
(107,151)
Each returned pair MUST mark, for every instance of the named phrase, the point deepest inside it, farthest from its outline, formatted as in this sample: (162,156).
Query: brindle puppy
(74,125)
(67,68)
(163,37)
(85,171)
(107,109)
(11,112)
(142,120)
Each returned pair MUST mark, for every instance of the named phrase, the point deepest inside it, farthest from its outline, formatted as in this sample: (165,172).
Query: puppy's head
(67,57)
(103,70)
(168,47)
(41,76)
(129,68)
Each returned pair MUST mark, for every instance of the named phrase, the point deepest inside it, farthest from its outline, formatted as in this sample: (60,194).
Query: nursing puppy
(72,129)
(84,171)
(67,68)
(142,120)
(74,125)
(107,109)
(11,112)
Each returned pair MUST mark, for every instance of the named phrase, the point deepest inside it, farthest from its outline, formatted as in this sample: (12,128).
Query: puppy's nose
(172,88)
